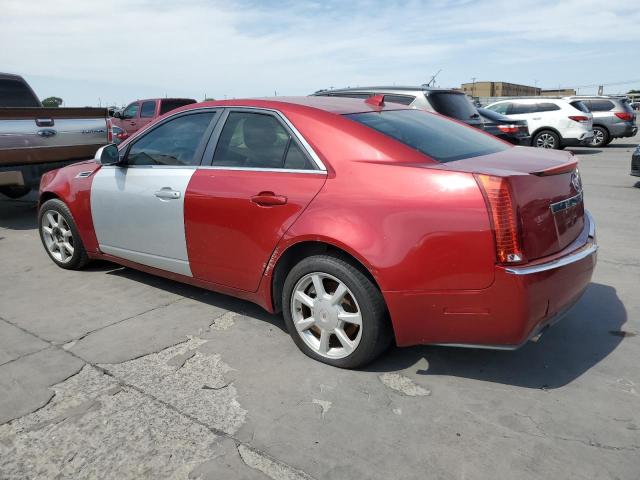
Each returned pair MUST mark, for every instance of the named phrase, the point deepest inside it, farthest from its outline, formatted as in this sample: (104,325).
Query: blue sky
(116,51)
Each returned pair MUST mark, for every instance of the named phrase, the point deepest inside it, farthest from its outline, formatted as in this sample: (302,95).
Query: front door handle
(269,199)
(167,193)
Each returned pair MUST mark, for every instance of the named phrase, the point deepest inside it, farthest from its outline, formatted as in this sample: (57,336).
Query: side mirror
(117,114)
(107,155)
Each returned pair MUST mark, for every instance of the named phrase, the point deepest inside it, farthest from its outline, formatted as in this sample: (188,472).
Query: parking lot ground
(113,373)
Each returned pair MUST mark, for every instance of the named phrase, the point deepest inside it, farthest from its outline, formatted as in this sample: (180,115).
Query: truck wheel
(60,237)
(15,191)
(335,313)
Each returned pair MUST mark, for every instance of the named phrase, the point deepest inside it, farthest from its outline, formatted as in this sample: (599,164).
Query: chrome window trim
(257,169)
(310,151)
(590,249)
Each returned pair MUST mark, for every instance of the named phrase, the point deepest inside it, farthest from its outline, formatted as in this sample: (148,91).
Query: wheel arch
(545,128)
(295,252)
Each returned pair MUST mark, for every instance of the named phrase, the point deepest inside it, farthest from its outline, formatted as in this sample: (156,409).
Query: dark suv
(451,103)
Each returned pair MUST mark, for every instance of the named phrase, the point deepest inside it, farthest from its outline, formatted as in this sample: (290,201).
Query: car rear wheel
(546,139)
(600,137)
(334,312)
(60,237)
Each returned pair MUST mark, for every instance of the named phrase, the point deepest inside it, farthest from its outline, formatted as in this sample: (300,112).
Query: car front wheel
(334,312)
(60,237)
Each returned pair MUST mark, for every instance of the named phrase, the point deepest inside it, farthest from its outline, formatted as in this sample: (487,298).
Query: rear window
(168,105)
(454,105)
(14,93)
(437,137)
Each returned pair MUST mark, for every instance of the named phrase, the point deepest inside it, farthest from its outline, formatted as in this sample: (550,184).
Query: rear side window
(601,105)
(580,105)
(173,143)
(258,140)
(168,105)
(454,105)
(148,109)
(546,107)
(437,137)
(14,93)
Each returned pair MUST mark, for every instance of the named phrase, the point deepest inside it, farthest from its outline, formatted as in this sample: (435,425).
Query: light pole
(473,87)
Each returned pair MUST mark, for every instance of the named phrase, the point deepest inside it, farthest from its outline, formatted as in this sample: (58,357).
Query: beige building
(499,89)
(562,92)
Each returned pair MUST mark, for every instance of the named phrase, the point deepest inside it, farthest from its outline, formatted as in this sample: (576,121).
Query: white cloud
(244,48)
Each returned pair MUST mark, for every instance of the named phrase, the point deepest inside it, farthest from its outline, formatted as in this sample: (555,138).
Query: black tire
(79,258)
(601,137)
(376,335)
(546,137)
(15,191)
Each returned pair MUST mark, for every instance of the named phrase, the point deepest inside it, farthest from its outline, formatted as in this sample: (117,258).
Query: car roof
(164,98)
(532,100)
(394,88)
(339,106)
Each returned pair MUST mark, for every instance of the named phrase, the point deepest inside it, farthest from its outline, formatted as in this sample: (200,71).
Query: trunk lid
(546,191)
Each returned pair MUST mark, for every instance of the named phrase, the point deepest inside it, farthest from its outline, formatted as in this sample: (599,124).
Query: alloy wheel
(326,315)
(57,235)
(546,140)
(598,137)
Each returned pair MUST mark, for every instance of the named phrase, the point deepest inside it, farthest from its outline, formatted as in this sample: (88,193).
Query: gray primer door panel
(138,215)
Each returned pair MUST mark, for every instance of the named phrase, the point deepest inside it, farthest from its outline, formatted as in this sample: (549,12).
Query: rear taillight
(497,194)
(509,128)
(579,118)
(109,131)
(626,116)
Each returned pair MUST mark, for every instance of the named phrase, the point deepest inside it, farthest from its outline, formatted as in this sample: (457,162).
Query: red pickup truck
(141,112)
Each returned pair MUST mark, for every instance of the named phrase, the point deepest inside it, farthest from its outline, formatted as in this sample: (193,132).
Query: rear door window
(258,140)
(434,136)
(522,108)
(14,93)
(148,109)
(454,105)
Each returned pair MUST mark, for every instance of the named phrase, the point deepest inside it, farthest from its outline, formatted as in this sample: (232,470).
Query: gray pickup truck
(34,139)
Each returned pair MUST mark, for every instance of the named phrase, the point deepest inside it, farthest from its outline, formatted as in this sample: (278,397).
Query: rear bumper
(623,130)
(28,175)
(520,303)
(583,139)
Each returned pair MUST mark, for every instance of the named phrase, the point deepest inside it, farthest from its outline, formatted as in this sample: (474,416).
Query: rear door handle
(269,199)
(167,193)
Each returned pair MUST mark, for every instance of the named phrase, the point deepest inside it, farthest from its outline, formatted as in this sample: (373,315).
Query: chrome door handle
(167,193)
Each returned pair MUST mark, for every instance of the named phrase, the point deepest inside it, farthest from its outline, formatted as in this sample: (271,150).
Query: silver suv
(612,118)
(450,103)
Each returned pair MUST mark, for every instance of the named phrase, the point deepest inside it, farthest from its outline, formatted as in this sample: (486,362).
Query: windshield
(432,135)
(454,105)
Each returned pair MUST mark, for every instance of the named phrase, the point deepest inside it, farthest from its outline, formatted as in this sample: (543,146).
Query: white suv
(553,123)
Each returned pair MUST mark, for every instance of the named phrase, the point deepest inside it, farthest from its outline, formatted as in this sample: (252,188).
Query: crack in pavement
(252,457)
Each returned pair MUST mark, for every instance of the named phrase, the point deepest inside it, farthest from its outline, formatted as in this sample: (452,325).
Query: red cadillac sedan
(364,222)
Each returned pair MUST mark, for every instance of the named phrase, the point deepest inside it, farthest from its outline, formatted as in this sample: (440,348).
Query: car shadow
(590,151)
(227,302)
(21,214)
(622,145)
(590,332)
